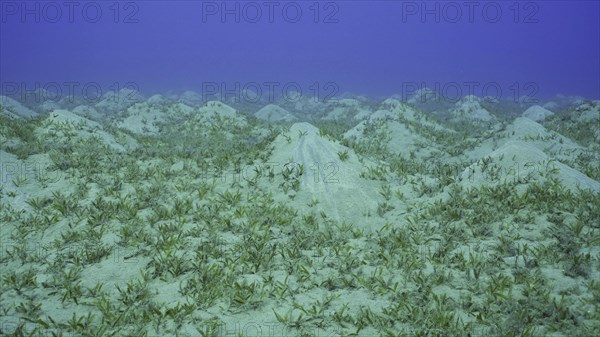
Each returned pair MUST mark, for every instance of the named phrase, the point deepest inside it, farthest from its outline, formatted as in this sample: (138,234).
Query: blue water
(378,48)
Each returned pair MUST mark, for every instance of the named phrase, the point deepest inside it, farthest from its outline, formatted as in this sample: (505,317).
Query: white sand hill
(144,118)
(537,113)
(336,184)
(191,98)
(588,116)
(423,95)
(274,113)
(394,109)
(216,109)
(395,125)
(346,108)
(157,99)
(65,126)
(526,152)
(552,143)
(87,112)
(48,106)
(122,99)
(589,112)
(216,114)
(470,109)
(551,105)
(308,105)
(521,162)
(525,130)
(15,109)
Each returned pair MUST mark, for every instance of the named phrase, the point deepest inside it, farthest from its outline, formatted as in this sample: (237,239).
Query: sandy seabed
(354,218)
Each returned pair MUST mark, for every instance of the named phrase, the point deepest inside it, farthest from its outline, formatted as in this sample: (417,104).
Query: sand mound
(214,118)
(345,108)
(218,114)
(396,126)
(423,95)
(537,113)
(362,115)
(550,142)
(63,126)
(191,98)
(391,104)
(48,106)
(13,109)
(394,109)
(580,124)
(121,100)
(396,136)
(526,130)
(469,109)
(550,105)
(588,117)
(87,111)
(143,118)
(523,127)
(336,184)
(394,114)
(305,105)
(214,109)
(588,112)
(520,162)
(274,113)
(157,100)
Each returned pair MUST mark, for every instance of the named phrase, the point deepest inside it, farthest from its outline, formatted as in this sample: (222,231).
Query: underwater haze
(299,168)
(372,48)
